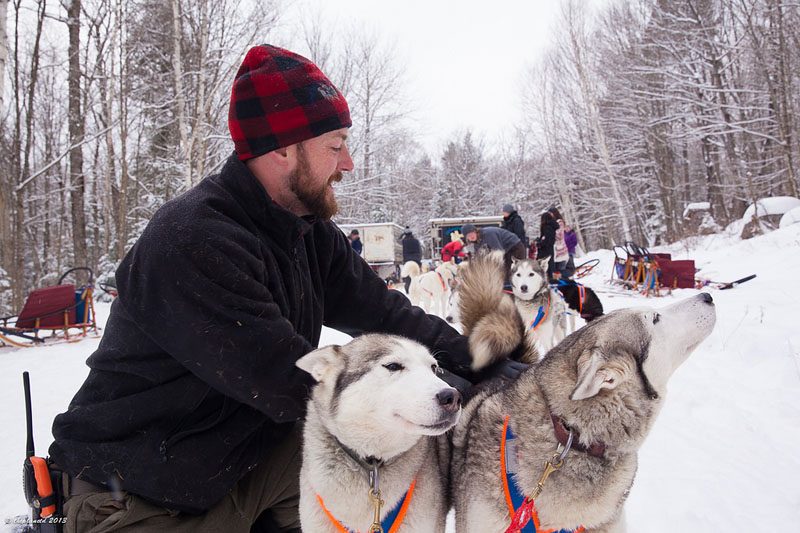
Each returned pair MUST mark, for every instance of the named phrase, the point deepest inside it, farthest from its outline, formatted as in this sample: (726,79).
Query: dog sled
(635,267)
(64,310)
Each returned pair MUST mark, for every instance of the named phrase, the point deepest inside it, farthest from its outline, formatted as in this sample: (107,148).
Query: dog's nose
(524,288)
(449,399)
(706,297)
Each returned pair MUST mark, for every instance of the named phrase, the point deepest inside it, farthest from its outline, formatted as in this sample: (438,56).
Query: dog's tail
(410,269)
(488,315)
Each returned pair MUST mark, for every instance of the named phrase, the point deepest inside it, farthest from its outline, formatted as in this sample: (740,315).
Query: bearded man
(188,419)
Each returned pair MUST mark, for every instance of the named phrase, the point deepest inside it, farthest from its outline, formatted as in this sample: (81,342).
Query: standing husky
(543,309)
(429,290)
(377,403)
(603,386)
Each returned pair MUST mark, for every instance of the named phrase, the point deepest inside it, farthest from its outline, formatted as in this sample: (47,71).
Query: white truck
(381,247)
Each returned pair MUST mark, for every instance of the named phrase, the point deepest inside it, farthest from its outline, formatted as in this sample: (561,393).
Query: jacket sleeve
(357,300)
(201,297)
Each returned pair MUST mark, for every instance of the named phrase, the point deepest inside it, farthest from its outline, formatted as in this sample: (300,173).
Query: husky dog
(603,386)
(377,403)
(429,290)
(581,299)
(543,309)
(410,269)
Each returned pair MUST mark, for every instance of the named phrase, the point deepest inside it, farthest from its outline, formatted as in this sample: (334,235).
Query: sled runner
(65,311)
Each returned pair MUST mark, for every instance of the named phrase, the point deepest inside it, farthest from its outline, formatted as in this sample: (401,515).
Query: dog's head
(610,377)
(528,277)
(381,392)
(448,270)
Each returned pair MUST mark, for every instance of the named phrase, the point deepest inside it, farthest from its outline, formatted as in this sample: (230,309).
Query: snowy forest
(109,108)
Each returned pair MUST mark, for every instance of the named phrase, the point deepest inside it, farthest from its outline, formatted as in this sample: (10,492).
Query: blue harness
(517,498)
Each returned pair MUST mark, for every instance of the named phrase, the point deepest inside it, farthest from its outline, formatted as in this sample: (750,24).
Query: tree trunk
(76,134)
(179,95)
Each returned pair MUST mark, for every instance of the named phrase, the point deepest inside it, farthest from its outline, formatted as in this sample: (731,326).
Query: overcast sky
(464,60)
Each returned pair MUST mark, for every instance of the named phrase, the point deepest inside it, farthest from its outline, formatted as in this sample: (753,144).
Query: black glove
(504,368)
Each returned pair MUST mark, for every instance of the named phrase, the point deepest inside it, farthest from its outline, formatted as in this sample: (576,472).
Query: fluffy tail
(488,315)
(410,269)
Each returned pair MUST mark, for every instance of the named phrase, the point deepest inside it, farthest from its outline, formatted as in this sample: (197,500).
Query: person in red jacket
(453,249)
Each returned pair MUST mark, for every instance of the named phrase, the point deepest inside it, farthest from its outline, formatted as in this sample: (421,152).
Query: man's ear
(281,156)
(323,363)
(594,375)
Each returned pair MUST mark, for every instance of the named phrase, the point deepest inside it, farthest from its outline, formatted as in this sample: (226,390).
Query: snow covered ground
(721,456)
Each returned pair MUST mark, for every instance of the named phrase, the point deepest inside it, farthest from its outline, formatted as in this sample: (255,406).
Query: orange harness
(394,517)
(541,315)
(508,493)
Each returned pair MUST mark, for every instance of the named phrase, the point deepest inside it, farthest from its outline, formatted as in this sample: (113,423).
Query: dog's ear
(322,363)
(595,374)
(515,260)
(544,261)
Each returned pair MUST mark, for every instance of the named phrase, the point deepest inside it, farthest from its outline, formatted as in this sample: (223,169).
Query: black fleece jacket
(194,381)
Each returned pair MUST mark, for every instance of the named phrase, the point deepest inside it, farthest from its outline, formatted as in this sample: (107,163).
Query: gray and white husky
(603,386)
(542,308)
(372,422)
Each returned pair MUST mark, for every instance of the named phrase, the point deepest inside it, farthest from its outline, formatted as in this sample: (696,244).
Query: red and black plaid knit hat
(280,98)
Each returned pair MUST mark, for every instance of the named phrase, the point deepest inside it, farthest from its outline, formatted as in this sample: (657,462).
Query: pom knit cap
(280,98)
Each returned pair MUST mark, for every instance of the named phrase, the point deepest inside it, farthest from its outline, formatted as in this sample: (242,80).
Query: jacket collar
(282,225)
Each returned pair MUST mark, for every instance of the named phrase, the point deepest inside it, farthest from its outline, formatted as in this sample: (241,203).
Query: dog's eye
(656,318)
(436,370)
(393,367)
(530,274)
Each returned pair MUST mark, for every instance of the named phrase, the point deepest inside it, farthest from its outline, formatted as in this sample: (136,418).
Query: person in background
(514,223)
(355,241)
(560,250)
(571,240)
(188,418)
(453,249)
(412,251)
(494,238)
(545,244)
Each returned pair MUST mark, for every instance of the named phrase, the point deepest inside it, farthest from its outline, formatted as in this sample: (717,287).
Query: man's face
(472,236)
(320,162)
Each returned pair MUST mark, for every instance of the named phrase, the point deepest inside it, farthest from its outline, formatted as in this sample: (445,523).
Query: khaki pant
(273,485)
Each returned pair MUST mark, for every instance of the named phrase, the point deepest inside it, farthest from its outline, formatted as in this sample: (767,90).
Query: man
(514,223)
(412,251)
(355,241)
(494,238)
(186,421)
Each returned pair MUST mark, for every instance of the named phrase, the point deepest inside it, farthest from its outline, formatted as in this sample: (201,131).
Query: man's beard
(313,197)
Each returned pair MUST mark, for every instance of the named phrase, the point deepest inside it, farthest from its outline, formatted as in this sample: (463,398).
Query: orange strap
(397,521)
(43,484)
(507,492)
(534,324)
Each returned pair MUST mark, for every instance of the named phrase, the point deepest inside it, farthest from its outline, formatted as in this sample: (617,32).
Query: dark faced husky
(542,308)
(371,422)
(601,388)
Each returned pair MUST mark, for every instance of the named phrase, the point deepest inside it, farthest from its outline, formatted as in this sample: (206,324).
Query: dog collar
(597,449)
(367,464)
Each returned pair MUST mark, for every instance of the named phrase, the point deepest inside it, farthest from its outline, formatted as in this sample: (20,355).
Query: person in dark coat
(412,251)
(514,223)
(355,241)
(545,245)
(494,238)
(187,420)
